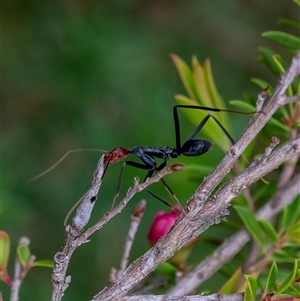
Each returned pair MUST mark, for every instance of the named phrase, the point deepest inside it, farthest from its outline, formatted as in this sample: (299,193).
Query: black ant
(191,147)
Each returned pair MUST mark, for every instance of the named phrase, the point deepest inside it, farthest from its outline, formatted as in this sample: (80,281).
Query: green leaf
(202,94)
(47,263)
(293,212)
(297,2)
(166,268)
(23,253)
(293,233)
(283,220)
(289,22)
(4,249)
(288,281)
(217,101)
(283,38)
(272,277)
(251,224)
(294,289)
(230,286)
(266,56)
(268,229)
(285,255)
(273,121)
(240,104)
(185,74)
(250,291)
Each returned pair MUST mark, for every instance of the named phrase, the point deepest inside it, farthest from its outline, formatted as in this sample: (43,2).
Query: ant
(191,147)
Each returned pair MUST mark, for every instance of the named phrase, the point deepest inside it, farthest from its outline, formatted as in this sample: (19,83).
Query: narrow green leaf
(293,233)
(217,101)
(242,105)
(167,268)
(266,56)
(23,253)
(251,224)
(297,2)
(287,282)
(273,121)
(230,286)
(268,229)
(285,255)
(283,38)
(184,100)
(272,277)
(293,212)
(202,93)
(289,22)
(250,291)
(295,290)
(47,263)
(283,220)
(185,74)
(4,249)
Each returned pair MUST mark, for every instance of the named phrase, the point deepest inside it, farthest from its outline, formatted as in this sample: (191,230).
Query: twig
(130,194)
(214,297)
(19,272)
(136,217)
(59,280)
(201,213)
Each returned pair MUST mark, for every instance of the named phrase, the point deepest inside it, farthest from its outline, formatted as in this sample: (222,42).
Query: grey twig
(136,218)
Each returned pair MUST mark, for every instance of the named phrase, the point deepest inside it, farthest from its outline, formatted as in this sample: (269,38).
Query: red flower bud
(162,223)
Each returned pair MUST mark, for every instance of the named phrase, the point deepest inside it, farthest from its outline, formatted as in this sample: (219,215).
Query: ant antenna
(61,159)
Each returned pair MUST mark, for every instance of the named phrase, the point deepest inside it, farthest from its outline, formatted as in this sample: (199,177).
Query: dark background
(98,74)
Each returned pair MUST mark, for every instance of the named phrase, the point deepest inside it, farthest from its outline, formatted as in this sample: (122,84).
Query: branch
(232,245)
(202,212)
(74,237)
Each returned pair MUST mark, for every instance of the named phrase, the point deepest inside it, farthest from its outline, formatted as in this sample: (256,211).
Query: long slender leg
(134,164)
(149,174)
(201,124)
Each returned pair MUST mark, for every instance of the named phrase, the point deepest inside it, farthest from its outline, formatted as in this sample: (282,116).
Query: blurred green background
(98,74)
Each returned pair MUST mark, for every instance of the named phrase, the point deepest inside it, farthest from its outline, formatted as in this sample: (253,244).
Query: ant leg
(168,188)
(201,124)
(134,164)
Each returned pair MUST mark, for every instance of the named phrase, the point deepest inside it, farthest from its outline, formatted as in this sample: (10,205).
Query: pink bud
(162,223)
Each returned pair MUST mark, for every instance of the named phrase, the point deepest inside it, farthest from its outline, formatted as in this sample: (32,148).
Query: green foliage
(250,291)
(200,85)
(289,287)
(23,252)
(283,38)
(252,225)
(271,280)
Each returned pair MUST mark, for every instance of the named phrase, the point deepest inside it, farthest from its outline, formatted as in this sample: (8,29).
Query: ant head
(116,155)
